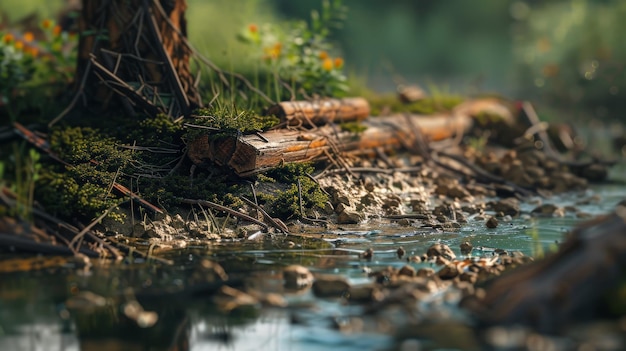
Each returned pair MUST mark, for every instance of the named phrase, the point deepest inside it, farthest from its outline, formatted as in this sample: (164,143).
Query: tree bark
(135,51)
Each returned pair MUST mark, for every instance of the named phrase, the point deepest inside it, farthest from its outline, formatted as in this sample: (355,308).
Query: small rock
(365,293)
(509,206)
(440,250)
(297,277)
(407,271)
(471,277)
(547,210)
(368,254)
(330,286)
(349,216)
(228,299)
(492,222)
(466,247)
(400,252)
(449,271)
(425,272)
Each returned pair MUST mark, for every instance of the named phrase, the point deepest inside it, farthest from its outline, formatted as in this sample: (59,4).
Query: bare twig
(225,209)
(278,225)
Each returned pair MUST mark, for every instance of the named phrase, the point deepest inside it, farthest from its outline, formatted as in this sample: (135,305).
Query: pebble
(330,286)
(492,222)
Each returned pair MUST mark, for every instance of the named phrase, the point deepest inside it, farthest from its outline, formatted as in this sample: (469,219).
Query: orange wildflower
(33,51)
(7,38)
(56,30)
(19,45)
(338,62)
(323,55)
(46,23)
(327,64)
(253,28)
(28,37)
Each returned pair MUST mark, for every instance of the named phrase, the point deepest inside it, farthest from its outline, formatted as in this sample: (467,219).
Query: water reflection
(177,308)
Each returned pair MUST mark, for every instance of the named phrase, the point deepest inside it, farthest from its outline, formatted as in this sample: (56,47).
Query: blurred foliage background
(569,55)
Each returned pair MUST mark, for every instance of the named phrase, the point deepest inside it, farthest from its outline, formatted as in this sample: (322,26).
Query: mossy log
(569,286)
(320,112)
(254,153)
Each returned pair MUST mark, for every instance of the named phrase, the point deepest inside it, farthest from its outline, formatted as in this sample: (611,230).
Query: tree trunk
(135,52)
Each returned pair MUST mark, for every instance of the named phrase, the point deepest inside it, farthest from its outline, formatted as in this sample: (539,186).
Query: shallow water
(34,311)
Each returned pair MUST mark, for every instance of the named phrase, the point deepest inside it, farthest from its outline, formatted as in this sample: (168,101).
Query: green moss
(285,204)
(83,189)
(427,106)
(230,121)
(167,190)
(354,127)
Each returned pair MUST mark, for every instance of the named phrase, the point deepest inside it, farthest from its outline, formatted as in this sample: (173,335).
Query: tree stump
(135,51)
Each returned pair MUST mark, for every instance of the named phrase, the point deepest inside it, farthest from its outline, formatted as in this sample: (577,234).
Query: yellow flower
(46,23)
(338,62)
(56,30)
(19,45)
(28,37)
(273,52)
(323,55)
(7,38)
(327,64)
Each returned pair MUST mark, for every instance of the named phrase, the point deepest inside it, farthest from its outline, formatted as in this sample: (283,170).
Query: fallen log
(320,112)
(254,153)
(565,287)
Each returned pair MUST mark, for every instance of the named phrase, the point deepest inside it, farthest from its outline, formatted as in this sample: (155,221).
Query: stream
(37,311)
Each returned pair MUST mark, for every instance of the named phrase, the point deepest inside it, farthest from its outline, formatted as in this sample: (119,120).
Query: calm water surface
(34,312)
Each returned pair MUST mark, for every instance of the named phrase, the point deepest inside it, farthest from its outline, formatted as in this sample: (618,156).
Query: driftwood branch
(251,154)
(320,112)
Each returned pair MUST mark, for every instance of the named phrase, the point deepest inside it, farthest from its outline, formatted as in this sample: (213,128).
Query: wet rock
(442,210)
(341,197)
(509,206)
(85,301)
(548,210)
(383,276)
(407,271)
(207,271)
(440,250)
(228,299)
(330,286)
(405,222)
(369,200)
(466,247)
(471,277)
(349,216)
(400,252)
(565,181)
(583,215)
(392,204)
(449,271)
(425,272)
(492,222)
(297,277)
(365,293)
(416,259)
(453,190)
(368,254)
(419,206)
